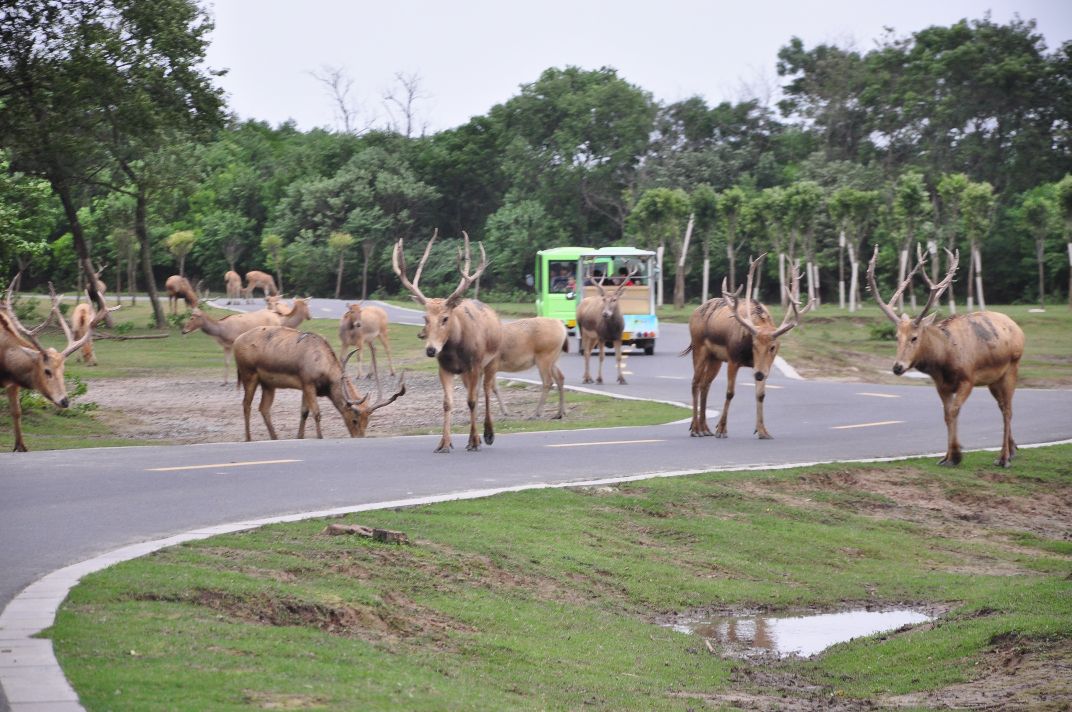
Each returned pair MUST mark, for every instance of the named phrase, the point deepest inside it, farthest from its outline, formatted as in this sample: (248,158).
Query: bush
(883,331)
(32,400)
(126,327)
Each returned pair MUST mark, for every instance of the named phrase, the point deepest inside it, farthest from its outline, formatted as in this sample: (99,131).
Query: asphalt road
(61,507)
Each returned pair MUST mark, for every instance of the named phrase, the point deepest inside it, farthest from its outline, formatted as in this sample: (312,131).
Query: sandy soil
(212,412)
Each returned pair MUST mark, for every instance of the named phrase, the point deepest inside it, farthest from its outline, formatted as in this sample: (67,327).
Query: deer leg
(267,396)
(586,351)
(761,395)
(471,382)
(387,348)
(446,379)
(545,380)
(731,384)
(247,401)
(376,371)
(16,416)
(489,385)
(602,346)
(560,381)
(1002,391)
(952,400)
(502,408)
(618,358)
(704,371)
(226,366)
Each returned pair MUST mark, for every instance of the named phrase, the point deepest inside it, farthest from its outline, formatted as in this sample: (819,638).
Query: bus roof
(571,253)
(617,252)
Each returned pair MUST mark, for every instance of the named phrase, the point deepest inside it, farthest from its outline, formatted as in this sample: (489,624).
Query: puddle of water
(795,635)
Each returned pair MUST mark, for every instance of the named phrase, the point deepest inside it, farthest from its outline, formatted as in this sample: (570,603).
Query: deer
(233,281)
(463,335)
(599,319)
(723,330)
(538,341)
(178,287)
(274,357)
(263,281)
(360,325)
(292,315)
(25,363)
(960,352)
(229,328)
(83,321)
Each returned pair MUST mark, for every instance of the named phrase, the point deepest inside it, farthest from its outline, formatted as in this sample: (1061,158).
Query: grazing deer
(275,357)
(360,325)
(229,328)
(722,330)
(961,352)
(25,363)
(83,321)
(263,281)
(233,280)
(600,320)
(463,335)
(539,342)
(178,287)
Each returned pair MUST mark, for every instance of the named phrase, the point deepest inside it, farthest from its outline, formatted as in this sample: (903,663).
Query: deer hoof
(1005,462)
(600,380)
(621,380)
(557,417)
(472,447)
(721,434)
(765,436)
(586,379)
(489,438)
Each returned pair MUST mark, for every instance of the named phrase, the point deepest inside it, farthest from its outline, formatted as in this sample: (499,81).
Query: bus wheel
(649,348)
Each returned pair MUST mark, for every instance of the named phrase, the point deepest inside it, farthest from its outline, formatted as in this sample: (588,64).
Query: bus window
(560,277)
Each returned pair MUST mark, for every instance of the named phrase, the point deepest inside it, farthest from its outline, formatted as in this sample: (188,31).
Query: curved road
(61,507)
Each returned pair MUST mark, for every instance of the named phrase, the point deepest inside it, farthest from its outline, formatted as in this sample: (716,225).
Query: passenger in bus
(559,281)
(596,276)
(623,276)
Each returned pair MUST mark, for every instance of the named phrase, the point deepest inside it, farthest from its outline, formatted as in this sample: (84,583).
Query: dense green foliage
(955,135)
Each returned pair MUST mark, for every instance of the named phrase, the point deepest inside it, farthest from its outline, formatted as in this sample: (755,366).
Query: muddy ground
(200,409)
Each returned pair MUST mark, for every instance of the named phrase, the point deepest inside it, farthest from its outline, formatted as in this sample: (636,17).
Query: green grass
(548,599)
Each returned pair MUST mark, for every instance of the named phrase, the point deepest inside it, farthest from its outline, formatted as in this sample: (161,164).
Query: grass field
(553,599)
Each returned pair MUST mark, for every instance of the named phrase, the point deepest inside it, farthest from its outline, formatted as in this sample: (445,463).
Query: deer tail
(687,351)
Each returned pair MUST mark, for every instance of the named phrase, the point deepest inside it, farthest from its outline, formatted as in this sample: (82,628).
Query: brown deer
(958,353)
(233,280)
(722,330)
(274,357)
(263,281)
(539,342)
(599,319)
(463,335)
(360,325)
(25,363)
(292,315)
(229,328)
(178,287)
(83,321)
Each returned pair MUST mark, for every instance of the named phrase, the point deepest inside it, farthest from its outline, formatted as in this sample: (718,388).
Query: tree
(125,246)
(179,245)
(658,217)
(855,212)
(910,206)
(805,202)
(339,243)
(704,206)
(514,233)
(403,100)
(977,215)
(26,219)
(1064,203)
(730,203)
(948,208)
(272,245)
(1038,213)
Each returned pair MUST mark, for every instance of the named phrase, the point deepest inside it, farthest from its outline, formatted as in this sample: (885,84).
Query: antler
(887,307)
(29,334)
(589,277)
(467,279)
(794,312)
(625,280)
(398,394)
(733,297)
(398,262)
(936,289)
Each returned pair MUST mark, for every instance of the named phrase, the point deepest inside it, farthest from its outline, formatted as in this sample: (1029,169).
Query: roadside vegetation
(559,599)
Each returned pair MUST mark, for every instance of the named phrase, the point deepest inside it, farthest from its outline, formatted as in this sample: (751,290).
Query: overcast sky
(472,54)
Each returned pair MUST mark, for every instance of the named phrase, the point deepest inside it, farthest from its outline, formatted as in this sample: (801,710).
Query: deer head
(911,331)
(438,324)
(610,301)
(357,413)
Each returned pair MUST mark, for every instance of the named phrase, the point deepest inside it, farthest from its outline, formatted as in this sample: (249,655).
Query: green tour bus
(560,283)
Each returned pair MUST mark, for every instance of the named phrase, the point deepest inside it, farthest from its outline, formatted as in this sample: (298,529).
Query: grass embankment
(47,428)
(550,599)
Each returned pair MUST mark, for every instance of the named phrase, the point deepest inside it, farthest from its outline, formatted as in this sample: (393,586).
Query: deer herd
(468,339)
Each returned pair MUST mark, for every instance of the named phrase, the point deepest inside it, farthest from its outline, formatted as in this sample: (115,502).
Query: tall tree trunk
(679,273)
(1040,253)
(141,230)
(707,272)
(338,279)
(182,266)
(366,253)
(979,278)
(1070,274)
(731,259)
(781,279)
(854,275)
(132,283)
(59,186)
(841,270)
(659,252)
(970,298)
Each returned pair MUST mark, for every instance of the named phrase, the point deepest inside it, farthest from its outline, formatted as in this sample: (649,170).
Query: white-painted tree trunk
(659,285)
(854,275)
(979,278)
(841,270)
(706,277)
(781,277)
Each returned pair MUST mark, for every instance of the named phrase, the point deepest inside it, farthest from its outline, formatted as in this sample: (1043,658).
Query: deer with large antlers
(230,327)
(958,353)
(178,287)
(25,363)
(274,357)
(725,330)
(462,334)
(599,319)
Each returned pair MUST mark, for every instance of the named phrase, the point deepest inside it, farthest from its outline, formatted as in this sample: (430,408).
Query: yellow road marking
(608,442)
(224,464)
(865,425)
(878,395)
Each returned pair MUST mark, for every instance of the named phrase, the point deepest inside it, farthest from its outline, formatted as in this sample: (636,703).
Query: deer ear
(32,353)
(928,320)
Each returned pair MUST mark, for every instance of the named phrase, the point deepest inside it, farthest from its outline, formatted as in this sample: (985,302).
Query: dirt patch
(198,409)
(1016,674)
